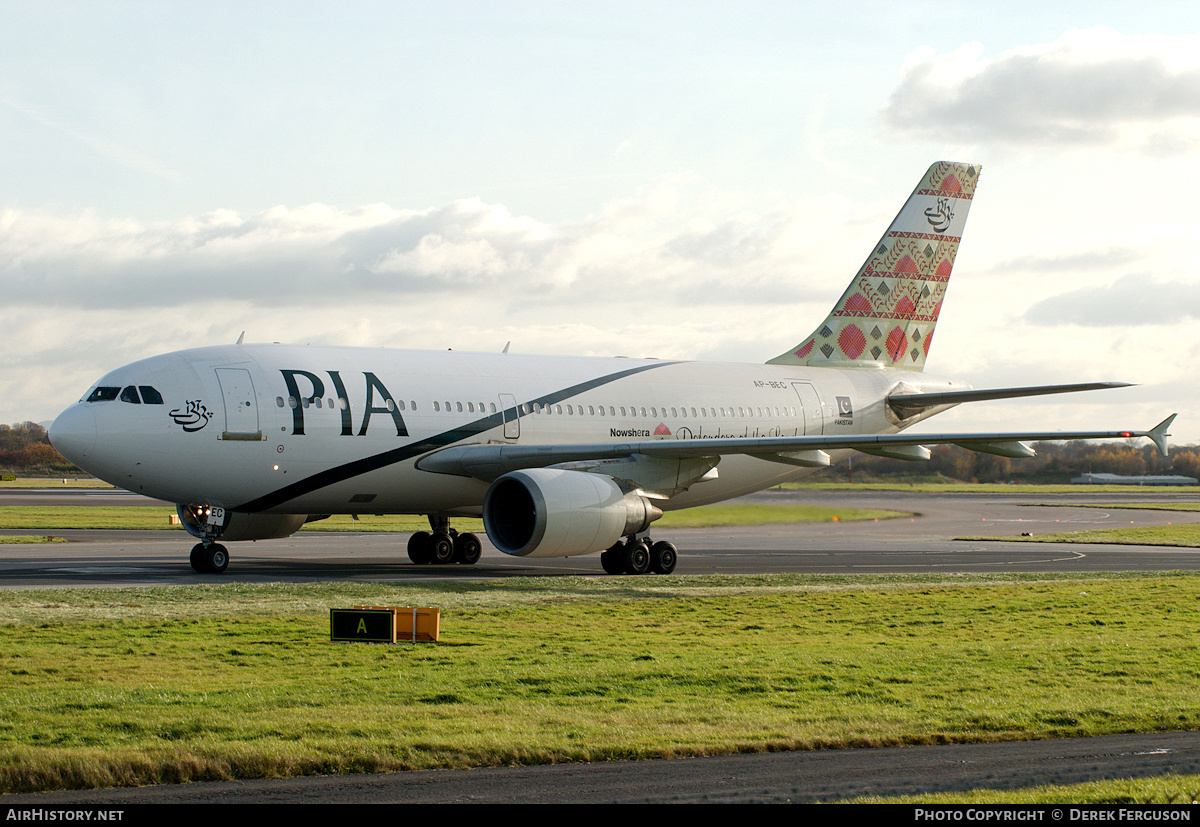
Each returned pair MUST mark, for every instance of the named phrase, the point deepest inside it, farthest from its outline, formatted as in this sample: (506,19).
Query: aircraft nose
(73,433)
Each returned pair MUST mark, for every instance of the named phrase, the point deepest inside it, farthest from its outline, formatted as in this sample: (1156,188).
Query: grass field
(152,517)
(1187,536)
(132,686)
(54,482)
(952,487)
(1170,789)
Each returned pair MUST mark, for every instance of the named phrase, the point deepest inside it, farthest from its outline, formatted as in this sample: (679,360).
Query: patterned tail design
(887,314)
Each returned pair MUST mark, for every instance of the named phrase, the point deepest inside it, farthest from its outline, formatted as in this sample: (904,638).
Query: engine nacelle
(546,512)
(241,526)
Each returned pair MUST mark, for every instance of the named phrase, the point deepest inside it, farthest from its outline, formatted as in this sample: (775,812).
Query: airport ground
(921,543)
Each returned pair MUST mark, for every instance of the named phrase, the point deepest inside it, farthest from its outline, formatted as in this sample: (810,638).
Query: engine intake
(547,512)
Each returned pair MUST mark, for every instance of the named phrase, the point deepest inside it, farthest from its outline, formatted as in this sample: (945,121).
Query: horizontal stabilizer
(907,404)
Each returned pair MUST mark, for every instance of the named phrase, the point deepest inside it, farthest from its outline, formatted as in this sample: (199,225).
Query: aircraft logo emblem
(939,217)
(194,417)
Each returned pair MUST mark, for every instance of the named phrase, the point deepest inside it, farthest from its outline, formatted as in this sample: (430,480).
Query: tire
(441,549)
(467,549)
(197,559)
(418,548)
(613,560)
(637,558)
(216,558)
(663,557)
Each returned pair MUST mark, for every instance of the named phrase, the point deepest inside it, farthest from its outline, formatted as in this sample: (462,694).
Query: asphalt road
(923,543)
(779,777)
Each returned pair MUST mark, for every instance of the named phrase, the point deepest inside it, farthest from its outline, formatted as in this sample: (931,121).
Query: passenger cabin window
(104,394)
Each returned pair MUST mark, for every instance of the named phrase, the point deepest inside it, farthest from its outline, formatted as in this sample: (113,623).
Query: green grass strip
(955,487)
(1164,790)
(1164,535)
(87,517)
(152,517)
(132,686)
(54,482)
(1133,506)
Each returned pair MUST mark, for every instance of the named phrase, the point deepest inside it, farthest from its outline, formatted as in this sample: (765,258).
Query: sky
(685,180)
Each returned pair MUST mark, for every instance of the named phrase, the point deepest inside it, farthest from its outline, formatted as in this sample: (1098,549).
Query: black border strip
(414,449)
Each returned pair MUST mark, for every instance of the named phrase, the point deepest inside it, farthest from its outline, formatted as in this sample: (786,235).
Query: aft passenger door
(810,403)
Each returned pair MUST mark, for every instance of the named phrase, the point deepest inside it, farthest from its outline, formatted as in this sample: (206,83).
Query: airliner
(560,456)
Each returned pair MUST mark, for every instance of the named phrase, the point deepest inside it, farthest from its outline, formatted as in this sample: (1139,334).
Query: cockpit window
(150,395)
(104,394)
(130,394)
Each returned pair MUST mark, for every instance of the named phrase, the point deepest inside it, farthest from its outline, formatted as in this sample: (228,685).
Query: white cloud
(1131,300)
(1089,87)
(664,241)
(674,272)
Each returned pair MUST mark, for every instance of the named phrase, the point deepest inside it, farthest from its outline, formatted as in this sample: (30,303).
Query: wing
(487,462)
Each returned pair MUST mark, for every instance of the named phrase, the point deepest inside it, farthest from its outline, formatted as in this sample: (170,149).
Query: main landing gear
(443,545)
(639,556)
(209,559)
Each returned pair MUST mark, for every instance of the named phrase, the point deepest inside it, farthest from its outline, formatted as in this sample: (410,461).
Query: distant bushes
(25,448)
(1054,463)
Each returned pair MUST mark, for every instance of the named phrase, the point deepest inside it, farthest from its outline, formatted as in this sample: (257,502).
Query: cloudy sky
(682,180)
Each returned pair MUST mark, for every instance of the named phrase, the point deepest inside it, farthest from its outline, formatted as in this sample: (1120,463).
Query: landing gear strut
(206,522)
(443,545)
(640,556)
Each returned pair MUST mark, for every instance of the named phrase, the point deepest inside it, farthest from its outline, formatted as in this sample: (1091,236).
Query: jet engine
(242,526)
(547,512)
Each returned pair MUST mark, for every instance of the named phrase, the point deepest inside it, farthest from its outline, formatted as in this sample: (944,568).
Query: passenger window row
(717,412)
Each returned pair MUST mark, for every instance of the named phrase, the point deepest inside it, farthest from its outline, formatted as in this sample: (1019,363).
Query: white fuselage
(322,430)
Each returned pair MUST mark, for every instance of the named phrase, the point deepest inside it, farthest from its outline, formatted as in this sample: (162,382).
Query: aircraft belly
(396,490)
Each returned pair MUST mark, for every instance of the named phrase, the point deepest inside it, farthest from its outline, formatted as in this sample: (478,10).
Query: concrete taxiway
(924,542)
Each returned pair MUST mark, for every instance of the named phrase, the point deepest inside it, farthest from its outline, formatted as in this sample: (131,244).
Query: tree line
(25,449)
(1056,462)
